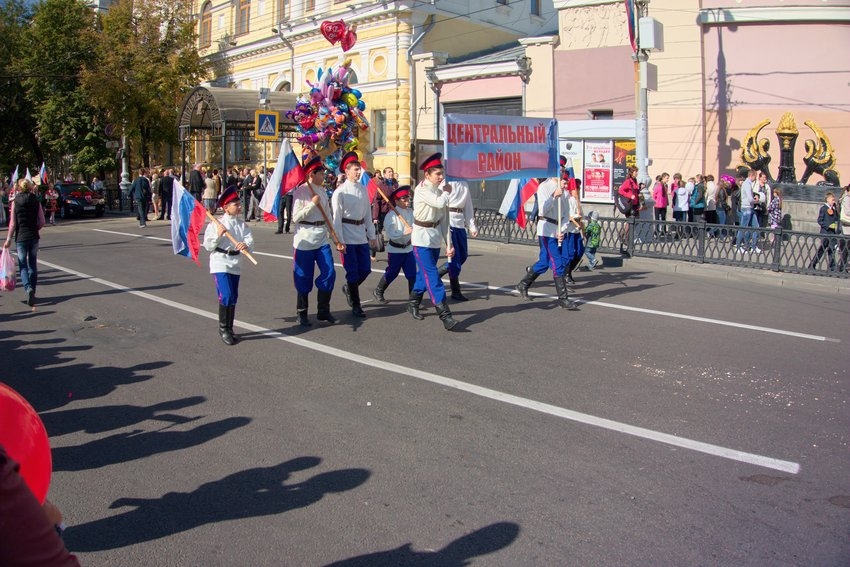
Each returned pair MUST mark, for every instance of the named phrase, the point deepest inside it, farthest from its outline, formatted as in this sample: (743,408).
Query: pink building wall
(760,71)
(710,4)
(475,89)
(591,79)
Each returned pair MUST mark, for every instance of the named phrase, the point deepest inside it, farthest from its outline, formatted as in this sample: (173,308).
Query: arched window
(206,25)
(282,10)
(243,15)
(284,87)
(352,77)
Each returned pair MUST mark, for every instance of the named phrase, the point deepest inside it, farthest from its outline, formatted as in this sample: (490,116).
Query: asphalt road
(676,419)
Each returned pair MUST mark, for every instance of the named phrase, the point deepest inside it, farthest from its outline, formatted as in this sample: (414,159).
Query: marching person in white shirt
(225,258)
(352,222)
(430,230)
(549,194)
(461,215)
(311,247)
(398,226)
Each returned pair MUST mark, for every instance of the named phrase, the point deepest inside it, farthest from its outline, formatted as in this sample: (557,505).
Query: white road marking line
(511,290)
(404,371)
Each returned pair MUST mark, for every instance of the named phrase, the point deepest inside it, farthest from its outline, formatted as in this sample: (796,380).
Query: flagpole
(228,235)
(560,216)
(325,216)
(378,187)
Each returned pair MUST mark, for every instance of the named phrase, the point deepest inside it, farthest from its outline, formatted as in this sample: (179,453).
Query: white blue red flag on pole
(287,175)
(187,220)
(518,194)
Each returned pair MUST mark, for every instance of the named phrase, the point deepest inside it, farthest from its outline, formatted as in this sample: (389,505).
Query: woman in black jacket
(26,217)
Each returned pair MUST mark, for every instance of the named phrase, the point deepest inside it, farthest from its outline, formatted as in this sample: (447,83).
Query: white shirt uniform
(547,207)
(351,201)
(430,205)
(240,231)
(572,212)
(395,230)
(459,199)
(308,236)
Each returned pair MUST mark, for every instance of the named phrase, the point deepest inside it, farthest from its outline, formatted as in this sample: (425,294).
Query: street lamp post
(125,166)
(641,119)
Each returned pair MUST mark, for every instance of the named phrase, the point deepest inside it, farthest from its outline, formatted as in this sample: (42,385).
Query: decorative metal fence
(779,250)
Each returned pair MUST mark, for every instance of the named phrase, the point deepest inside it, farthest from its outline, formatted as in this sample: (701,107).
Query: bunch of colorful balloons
(331,117)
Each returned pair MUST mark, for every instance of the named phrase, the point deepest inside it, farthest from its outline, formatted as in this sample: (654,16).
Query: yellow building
(278,44)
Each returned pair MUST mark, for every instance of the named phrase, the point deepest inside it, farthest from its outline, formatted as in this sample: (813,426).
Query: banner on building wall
(500,147)
(624,157)
(597,170)
(573,150)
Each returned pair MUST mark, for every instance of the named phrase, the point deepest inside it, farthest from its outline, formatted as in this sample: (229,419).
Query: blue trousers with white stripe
(550,257)
(427,278)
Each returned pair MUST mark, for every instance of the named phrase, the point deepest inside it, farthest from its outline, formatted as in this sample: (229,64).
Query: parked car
(76,199)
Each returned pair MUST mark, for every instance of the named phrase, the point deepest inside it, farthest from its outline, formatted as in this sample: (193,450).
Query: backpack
(698,197)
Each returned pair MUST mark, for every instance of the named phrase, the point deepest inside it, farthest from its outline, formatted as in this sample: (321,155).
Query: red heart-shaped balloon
(348,39)
(333,31)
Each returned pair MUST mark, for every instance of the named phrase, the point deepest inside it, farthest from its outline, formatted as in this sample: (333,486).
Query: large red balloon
(23,436)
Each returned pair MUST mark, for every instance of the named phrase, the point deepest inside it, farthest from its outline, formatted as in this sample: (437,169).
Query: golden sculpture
(820,157)
(754,151)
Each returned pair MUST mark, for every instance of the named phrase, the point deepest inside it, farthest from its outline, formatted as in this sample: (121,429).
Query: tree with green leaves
(19,142)
(55,48)
(145,62)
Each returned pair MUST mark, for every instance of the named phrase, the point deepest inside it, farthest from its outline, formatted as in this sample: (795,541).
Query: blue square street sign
(265,124)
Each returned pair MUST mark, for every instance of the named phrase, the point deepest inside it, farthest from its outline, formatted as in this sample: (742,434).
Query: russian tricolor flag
(187,220)
(519,192)
(287,175)
(42,174)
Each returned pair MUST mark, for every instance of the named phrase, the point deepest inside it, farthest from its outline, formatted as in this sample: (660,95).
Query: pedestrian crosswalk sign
(265,124)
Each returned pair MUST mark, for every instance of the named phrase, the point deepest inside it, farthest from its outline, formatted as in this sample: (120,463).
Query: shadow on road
(106,418)
(246,494)
(458,553)
(42,375)
(138,444)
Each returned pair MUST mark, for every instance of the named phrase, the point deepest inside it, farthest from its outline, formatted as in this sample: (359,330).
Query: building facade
(726,66)
(278,44)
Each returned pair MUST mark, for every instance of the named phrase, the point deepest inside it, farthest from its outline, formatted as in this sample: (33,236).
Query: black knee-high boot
(354,294)
(564,302)
(525,283)
(454,283)
(231,316)
(379,291)
(223,330)
(323,305)
(445,315)
(301,310)
(413,303)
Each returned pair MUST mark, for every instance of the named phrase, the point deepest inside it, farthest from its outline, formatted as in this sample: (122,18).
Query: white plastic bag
(8,267)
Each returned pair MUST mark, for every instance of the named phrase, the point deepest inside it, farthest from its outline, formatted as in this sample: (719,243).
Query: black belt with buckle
(554,221)
(228,252)
(352,221)
(456,209)
(398,244)
(425,224)
(313,223)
